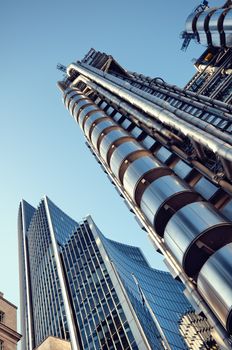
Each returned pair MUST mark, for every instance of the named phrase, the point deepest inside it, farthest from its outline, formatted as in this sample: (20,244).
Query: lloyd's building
(168,151)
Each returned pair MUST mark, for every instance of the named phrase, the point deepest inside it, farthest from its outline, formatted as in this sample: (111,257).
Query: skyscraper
(168,151)
(78,285)
(44,302)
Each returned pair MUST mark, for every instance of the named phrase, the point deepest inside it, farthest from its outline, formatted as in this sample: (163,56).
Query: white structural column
(29,308)
(72,330)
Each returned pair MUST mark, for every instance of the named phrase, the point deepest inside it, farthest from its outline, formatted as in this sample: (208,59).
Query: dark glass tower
(80,286)
(168,151)
(44,301)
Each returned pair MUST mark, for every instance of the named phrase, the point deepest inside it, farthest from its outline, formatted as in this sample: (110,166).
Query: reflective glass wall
(115,299)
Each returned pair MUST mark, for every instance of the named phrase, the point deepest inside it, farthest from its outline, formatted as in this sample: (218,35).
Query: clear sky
(42,149)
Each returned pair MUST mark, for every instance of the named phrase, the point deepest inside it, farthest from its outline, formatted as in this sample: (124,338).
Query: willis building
(168,151)
(80,290)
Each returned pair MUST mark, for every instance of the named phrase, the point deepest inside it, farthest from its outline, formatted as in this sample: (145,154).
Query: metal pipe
(183,115)
(160,82)
(166,117)
(221,86)
(215,75)
(202,98)
(196,104)
(139,116)
(175,92)
(152,124)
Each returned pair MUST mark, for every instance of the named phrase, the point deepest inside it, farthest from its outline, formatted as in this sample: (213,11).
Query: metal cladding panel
(74,100)
(83,113)
(215,284)
(189,25)
(216,39)
(166,191)
(201,21)
(136,171)
(83,102)
(108,139)
(227,27)
(75,113)
(227,210)
(98,129)
(227,23)
(203,38)
(91,120)
(214,27)
(194,232)
(79,107)
(70,94)
(120,154)
(214,20)
(66,92)
(202,27)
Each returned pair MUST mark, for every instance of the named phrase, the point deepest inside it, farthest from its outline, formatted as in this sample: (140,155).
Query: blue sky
(42,149)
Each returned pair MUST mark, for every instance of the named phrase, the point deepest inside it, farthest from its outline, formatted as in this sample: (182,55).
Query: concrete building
(9,337)
(53,343)
(197,332)
(168,151)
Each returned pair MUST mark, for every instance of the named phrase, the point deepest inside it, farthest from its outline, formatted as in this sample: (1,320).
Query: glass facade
(99,313)
(48,316)
(163,294)
(108,308)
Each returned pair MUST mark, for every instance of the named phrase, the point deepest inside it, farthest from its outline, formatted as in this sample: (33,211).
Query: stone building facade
(53,343)
(9,336)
